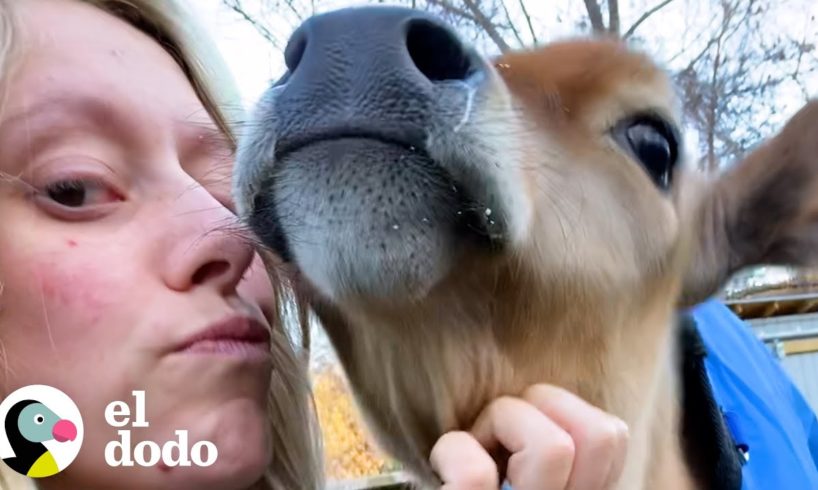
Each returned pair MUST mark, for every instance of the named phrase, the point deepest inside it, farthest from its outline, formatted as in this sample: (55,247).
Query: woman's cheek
(61,306)
(77,290)
(256,285)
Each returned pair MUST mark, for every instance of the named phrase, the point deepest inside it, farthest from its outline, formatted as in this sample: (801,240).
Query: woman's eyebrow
(51,117)
(60,104)
(62,112)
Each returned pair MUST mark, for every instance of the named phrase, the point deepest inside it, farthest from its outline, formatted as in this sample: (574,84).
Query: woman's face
(116,251)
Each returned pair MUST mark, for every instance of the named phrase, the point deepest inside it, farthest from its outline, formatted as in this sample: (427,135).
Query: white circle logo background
(64,452)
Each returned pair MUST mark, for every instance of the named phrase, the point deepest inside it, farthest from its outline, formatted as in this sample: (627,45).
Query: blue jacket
(763,408)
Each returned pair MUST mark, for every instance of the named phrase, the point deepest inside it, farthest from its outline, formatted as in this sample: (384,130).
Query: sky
(252,60)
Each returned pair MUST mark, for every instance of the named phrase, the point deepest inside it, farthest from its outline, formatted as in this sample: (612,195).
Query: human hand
(556,441)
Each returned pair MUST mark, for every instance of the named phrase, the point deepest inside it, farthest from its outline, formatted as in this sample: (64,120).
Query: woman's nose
(206,248)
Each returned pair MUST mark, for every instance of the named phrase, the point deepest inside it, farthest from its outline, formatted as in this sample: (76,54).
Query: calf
(464,228)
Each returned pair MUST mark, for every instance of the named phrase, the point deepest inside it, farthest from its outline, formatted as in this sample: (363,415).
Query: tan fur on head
(596,258)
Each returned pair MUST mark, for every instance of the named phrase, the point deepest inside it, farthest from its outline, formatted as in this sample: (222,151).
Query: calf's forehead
(590,83)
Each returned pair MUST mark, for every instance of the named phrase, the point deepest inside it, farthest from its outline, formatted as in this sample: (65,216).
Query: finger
(541,452)
(600,438)
(463,464)
(619,460)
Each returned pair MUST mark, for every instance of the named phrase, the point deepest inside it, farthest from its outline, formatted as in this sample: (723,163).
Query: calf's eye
(652,141)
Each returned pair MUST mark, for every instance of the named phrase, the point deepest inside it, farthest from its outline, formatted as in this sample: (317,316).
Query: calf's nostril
(436,52)
(295,49)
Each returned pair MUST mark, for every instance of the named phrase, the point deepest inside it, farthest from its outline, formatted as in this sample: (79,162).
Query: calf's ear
(762,211)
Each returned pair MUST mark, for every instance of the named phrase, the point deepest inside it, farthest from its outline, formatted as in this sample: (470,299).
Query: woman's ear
(763,211)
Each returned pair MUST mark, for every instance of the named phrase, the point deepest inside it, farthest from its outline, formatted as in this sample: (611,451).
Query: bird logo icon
(42,429)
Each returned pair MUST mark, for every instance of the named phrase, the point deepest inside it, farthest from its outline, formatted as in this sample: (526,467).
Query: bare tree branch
(712,163)
(486,24)
(685,49)
(512,26)
(613,16)
(294,10)
(595,15)
(476,16)
(235,6)
(448,7)
(528,21)
(645,16)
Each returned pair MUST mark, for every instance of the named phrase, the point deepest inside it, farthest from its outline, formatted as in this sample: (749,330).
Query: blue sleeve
(813,441)
(809,420)
(751,383)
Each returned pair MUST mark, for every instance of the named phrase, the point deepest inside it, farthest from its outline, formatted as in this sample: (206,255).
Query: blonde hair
(296,438)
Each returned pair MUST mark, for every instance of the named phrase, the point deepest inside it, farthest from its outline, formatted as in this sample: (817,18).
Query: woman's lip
(232,348)
(237,336)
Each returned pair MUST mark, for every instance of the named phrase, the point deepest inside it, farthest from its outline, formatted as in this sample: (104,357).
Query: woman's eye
(77,198)
(78,193)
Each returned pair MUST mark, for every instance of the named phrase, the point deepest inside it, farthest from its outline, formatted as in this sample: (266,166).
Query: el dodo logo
(149,453)
(41,432)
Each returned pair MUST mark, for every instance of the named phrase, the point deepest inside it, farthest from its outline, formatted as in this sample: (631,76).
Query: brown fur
(586,299)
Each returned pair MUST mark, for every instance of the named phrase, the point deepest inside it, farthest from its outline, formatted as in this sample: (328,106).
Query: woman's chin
(227,474)
(240,432)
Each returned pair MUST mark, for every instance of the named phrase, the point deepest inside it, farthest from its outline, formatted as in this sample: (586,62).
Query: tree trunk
(595,15)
